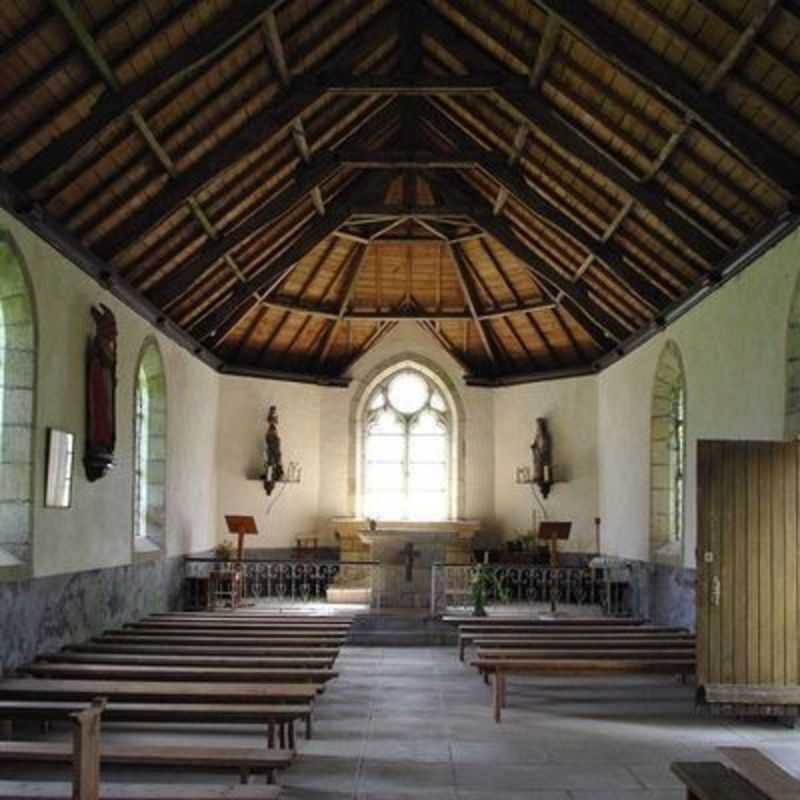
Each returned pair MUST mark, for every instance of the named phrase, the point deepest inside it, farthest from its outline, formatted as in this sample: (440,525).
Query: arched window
(668,459)
(17,378)
(793,367)
(150,448)
(407,429)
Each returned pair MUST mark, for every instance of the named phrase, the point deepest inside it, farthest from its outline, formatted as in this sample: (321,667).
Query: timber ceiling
(538,184)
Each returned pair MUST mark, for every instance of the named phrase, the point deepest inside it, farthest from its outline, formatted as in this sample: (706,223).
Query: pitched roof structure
(539,184)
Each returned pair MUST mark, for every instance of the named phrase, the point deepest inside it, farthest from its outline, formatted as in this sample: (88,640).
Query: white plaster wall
(408,340)
(733,347)
(291,511)
(570,407)
(97,531)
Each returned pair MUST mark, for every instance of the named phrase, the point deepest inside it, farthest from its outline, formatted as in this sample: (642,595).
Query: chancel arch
(668,459)
(17,395)
(407,426)
(150,450)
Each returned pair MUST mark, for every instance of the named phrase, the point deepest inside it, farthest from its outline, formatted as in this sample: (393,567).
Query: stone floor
(414,722)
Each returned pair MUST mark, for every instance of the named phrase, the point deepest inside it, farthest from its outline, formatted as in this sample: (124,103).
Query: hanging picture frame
(60,457)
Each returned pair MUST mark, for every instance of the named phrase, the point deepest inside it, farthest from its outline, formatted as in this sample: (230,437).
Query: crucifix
(410,553)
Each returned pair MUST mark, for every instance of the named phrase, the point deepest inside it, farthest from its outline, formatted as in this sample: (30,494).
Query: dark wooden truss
(540,185)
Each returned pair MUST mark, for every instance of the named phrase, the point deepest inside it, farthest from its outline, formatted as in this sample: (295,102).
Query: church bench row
(172,659)
(467,636)
(52,790)
(278,719)
(250,614)
(150,672)
(256,633)
(609,663)
(494,621)
(209,649)
(241,627)
(219,640)
(246,761)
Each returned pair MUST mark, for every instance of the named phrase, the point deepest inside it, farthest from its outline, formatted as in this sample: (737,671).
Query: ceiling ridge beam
(627,53)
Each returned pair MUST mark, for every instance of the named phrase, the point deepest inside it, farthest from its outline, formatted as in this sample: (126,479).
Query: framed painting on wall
(60,451)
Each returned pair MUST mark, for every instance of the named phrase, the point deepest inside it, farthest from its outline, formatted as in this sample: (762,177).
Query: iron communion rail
(598,590)
(301,580)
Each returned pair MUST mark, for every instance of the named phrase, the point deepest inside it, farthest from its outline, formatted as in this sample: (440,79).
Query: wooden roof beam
(538,205)
(275,49)
(542,118)
(262,126)
(471,297)
(636,59)
(202,46)
(353,272)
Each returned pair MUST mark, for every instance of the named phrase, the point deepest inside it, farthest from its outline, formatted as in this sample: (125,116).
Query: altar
(407,552)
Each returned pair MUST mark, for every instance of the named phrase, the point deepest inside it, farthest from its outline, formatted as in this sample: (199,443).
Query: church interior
(400,398)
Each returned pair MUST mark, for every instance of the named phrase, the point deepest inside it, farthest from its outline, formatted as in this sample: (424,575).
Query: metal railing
(292,580)
(607,592)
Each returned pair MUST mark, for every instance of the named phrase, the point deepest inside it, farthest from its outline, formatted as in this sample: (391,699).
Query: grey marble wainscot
(668,595)
(41,615)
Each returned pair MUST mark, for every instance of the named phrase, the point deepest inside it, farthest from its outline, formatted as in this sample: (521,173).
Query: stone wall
(44,614)
(672,595)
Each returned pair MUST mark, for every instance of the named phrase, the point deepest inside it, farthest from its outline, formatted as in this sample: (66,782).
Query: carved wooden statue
(542,458)
(273,464)
(101,385)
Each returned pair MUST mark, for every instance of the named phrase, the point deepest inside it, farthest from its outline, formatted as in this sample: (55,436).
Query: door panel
(747,563)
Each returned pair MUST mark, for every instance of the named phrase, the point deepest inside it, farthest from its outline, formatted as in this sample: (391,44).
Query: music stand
(553,532)
(240,526)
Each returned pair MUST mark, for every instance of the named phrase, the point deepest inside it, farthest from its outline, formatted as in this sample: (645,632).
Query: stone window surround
(149,547)
(16,565)
(666,549)
(358,409)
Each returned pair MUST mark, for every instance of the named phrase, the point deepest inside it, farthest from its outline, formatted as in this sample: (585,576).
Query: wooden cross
(410,554)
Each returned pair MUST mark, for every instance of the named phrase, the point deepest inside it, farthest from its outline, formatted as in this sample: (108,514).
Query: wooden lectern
(240,526)
(552,533)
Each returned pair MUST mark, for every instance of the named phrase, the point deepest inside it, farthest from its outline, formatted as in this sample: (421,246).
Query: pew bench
(149,672)
(204,650)
(220,641)
(278,719)
(52,790)
(171,659)
(762,772)
(609,663)
(246,761)
(546,620)
(517,640)
(236,625)
(710,780)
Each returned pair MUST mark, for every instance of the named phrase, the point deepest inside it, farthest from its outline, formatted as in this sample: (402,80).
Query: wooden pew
(256,633)
(149,672)
(534,620)
(278,719)
(96,646)
(53,790)
(219,641)
(237,627)
(171,659)
(245,613)
(85,756)
(762,772)
(710,780)
(517,640)
(230,630)
(244,760)
(609,663)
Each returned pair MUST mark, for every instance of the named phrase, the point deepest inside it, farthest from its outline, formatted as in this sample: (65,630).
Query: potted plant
(485,585)
(224,551)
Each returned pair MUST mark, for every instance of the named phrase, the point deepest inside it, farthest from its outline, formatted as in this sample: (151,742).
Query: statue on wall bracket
(273,463)
(101,386)
(542,452)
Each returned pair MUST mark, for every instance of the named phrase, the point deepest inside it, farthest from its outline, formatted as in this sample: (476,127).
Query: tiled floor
(415,722)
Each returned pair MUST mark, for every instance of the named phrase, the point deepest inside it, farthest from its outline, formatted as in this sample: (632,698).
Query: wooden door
(747,563)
